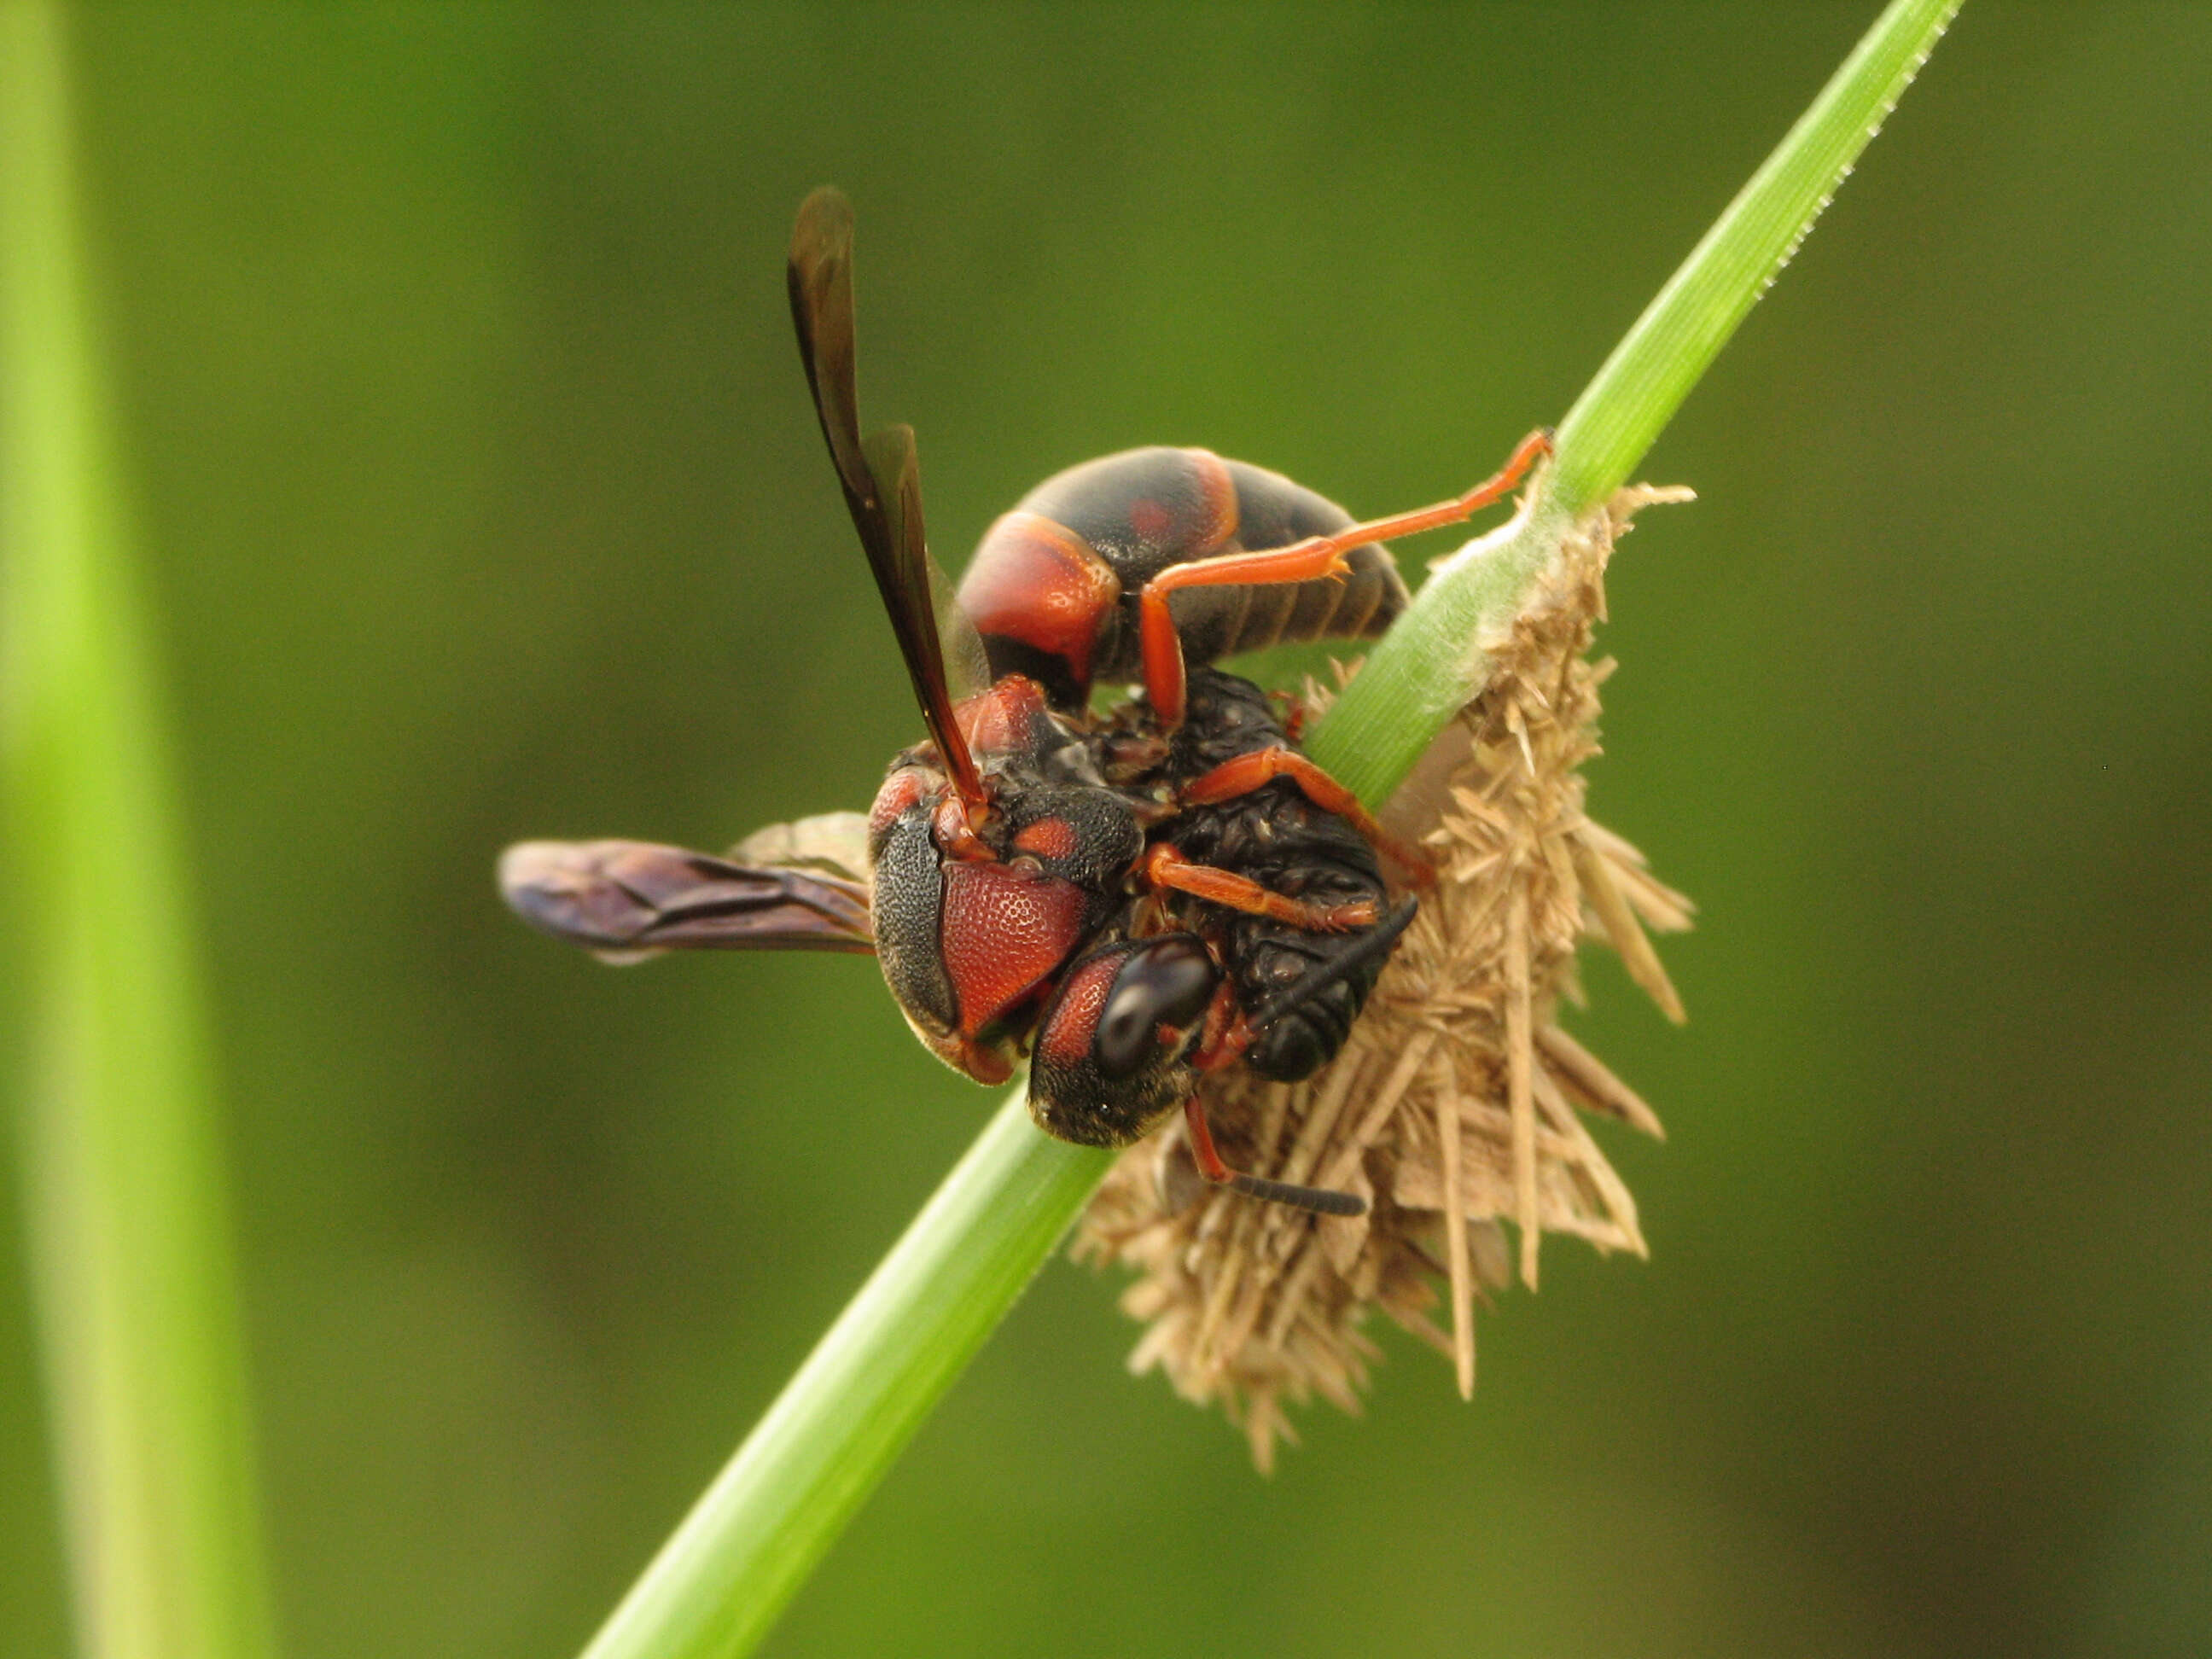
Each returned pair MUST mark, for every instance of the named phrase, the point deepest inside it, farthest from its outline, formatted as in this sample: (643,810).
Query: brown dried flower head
(1458,1096)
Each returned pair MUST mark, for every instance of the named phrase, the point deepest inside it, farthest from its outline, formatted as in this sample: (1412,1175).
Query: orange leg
(1301,561)
(1246,773)
(1165,868)
(1318,1200)
(1226,1033)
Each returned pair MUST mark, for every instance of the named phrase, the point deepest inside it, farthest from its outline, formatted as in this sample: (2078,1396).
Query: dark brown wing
(631,898)
(881,472)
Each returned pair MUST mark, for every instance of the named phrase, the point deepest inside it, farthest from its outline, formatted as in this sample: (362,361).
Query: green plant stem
(123,1194)
(718,1583)
(742,1550)
(1433,661)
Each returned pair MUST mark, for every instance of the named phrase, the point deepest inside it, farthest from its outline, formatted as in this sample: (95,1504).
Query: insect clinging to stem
(1129,898)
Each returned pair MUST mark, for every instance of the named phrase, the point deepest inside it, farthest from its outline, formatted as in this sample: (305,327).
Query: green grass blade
(749,1542)
(738,1557)
(123,1194)
(1431,663)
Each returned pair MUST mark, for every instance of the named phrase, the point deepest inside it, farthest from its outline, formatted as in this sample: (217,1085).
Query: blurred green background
(481,499)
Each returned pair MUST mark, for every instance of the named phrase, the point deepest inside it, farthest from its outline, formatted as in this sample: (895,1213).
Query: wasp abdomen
(1275,512)
(1053,587)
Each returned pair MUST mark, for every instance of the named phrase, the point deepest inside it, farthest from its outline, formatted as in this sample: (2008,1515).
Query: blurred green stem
(750,1541)
(123,1194)
(720,1581)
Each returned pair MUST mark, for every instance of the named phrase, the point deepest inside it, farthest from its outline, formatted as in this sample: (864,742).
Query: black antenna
(1329,971)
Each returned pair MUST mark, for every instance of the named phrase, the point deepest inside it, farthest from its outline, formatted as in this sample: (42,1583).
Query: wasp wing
(967,666)
(896,469)
(886,511)
(828,843)
(630,899)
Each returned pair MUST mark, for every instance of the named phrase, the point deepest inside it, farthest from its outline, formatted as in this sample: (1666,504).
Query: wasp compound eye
(1166,982)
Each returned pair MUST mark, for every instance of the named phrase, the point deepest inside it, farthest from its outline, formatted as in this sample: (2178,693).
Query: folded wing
(630,899)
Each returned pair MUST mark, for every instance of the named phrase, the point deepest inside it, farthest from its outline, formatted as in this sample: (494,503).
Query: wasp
(1128,898)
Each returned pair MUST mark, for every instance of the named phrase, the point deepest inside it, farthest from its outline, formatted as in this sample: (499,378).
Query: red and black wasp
(1129,898)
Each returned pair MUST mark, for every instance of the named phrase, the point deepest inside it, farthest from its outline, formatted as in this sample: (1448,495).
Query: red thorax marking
(1039,582)
(1049,838)
(1012,718)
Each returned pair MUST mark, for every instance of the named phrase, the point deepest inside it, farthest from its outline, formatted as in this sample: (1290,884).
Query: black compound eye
(1165,982)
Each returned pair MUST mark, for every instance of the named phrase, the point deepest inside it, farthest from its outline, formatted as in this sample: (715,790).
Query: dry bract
(1458,1093)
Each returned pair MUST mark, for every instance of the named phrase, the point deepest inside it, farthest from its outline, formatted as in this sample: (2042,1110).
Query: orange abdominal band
(1039,582)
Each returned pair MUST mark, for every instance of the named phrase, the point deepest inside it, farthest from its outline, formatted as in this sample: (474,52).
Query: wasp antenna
(897,474)
(1346,961)
(880,477)
(1319,1200)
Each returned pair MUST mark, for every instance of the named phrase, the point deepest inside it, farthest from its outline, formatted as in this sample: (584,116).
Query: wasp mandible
(1128,898)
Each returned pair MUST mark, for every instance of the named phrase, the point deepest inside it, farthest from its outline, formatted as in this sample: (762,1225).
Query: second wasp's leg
(1165,868)
(1246,773)
(1226,1034)
(1320,1200)
(1301,561)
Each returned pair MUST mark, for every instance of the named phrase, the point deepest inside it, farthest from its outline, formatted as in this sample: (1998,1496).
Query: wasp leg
(1321,1201)
(1165,868)
(1301,561)
(1246,773)
(1226,1034)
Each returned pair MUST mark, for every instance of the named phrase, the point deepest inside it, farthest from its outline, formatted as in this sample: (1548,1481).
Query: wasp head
(975,914)
(1115,1044)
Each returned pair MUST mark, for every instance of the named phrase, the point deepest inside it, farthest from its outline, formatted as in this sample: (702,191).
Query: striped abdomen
(1053,587)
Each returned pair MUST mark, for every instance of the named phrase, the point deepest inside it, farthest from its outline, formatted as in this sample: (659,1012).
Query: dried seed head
(1455,1107)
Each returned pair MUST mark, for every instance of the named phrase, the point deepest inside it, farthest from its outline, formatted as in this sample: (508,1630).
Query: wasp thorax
(1084,835)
